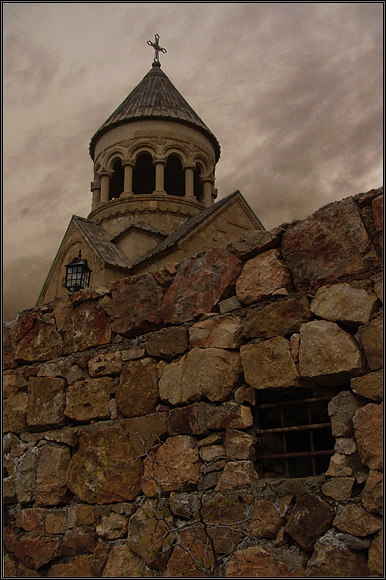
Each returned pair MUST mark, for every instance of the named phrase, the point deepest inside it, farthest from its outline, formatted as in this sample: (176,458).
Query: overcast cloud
(292,91)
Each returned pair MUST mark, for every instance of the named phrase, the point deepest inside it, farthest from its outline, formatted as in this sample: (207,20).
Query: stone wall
(132,413)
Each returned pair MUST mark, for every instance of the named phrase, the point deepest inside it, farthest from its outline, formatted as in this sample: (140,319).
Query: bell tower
(154,159)
(153,193)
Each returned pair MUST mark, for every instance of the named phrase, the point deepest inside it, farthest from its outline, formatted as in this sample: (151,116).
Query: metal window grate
(294,436)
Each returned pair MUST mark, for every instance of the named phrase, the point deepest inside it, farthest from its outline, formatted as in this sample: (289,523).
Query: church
(153,193)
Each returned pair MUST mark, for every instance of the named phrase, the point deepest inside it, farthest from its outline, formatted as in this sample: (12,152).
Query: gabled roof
(155,97)
(194,222)
(100,240)
(147,228)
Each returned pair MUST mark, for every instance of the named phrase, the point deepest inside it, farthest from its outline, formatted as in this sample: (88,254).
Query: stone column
(96,194)
(159,176)
(105,186)
(189,180)
(128,179)
(207,184)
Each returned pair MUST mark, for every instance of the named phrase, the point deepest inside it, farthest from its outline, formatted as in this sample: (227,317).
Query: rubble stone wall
(131,441)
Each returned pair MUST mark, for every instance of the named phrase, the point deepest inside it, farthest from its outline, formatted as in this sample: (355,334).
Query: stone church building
(153,191)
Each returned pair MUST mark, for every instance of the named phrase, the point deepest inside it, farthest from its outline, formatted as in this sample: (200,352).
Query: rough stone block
(37,550)
(9,492)
(105,468)
(146,431)
(229,415)
(168,343)
(328,245)
(357,521)
(46,402)
(105,364)
(181,563)
(9,344)
(219,332)
(87,400)
(344,303)
(239,445)
(112,527)
(372,495)
(261,277)
(376,561)
(308,520)
(229,304)
(256,562)
(236,475)
(338,488)
(269,364)
(200,283)
(368,427)
(277,319)
(265,521)
(341,409)
(51,488)
(135,305)
(252,243)
(137,393)
(328,355)
(210,372)
(25,476)
(78,541)
(15,413)
(88,327)
(175,466)
(123,563)
(377,207)
(37,338)
(371,339)
(330,560)
(369,386)
(189,420)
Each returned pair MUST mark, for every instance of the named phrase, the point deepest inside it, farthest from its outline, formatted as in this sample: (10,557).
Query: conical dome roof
(155,97)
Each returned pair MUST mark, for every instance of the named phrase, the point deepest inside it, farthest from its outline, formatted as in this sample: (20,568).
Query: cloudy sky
(292,91)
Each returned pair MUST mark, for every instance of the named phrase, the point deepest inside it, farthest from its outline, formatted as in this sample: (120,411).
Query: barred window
(294,435)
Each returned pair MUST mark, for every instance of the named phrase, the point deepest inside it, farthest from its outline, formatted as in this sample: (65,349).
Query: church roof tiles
(155,97)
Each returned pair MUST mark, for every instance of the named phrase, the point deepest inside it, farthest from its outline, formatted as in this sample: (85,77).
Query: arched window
(198,187)
(144,175)
(116,181)
(174,177)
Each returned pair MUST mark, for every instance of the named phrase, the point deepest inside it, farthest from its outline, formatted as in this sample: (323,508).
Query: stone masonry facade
(133,413)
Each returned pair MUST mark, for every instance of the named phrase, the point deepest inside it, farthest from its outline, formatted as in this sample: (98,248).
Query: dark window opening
(174,177)
(144,175)
(116,181)
(294,435)
(198,186)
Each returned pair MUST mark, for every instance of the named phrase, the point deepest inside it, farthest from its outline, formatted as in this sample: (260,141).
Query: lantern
(77,274)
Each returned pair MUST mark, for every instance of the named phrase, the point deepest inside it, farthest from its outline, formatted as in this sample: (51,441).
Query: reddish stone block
(87,327)
(42,342)
(328,245)
(189,420)
(199,284)
(308,520)
(135,305)
(36,550)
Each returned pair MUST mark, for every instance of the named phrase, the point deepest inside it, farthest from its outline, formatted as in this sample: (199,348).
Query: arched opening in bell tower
(117,180)
(198,187)
(143,175)
(174,176)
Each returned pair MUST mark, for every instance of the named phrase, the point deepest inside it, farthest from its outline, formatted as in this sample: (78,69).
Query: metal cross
(156,47)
